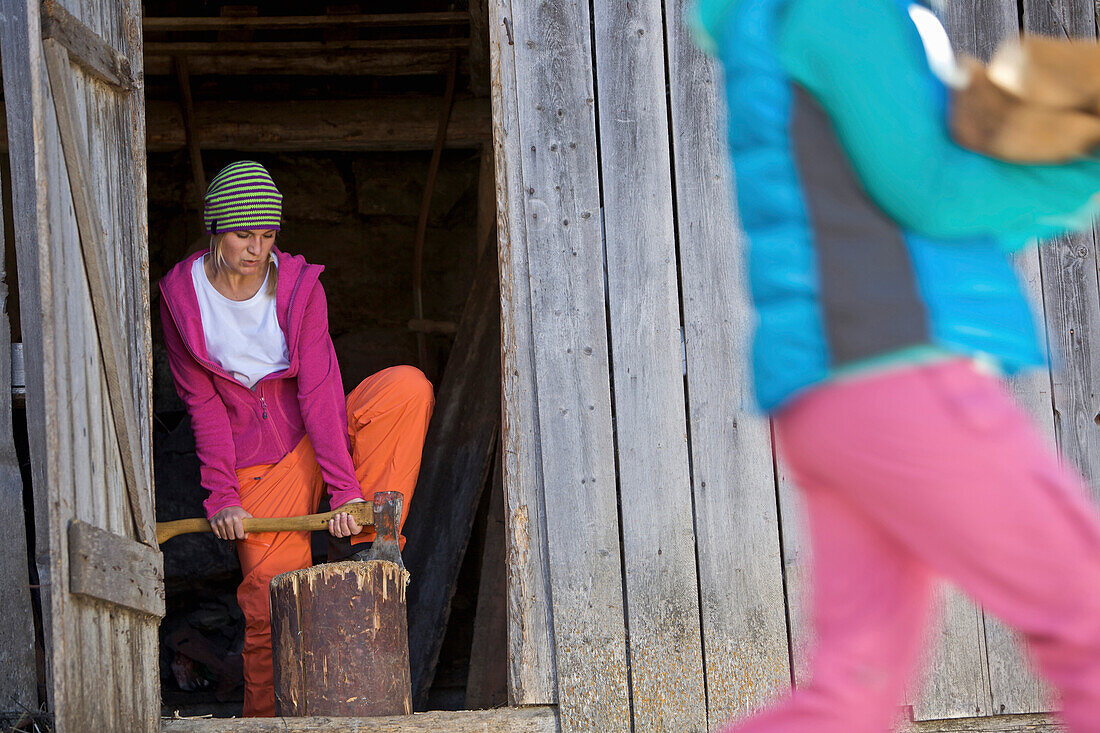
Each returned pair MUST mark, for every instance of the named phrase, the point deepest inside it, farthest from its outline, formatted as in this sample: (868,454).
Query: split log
(340,640)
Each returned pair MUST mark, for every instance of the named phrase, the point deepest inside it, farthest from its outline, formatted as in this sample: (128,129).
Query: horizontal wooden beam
(383,124)
(1030,723)
(501,720)
(116,569)
(388,123)
(389,63)
(86,47)
(292,22)
(303,48)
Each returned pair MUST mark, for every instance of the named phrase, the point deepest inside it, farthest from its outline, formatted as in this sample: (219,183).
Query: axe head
(387,515)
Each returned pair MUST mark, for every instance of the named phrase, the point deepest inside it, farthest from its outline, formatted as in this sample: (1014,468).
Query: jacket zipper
(263,407)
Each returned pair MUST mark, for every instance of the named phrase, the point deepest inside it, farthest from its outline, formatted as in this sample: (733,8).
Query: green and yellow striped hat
(241,197)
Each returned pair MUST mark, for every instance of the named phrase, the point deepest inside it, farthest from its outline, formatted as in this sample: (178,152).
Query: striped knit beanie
(241,197)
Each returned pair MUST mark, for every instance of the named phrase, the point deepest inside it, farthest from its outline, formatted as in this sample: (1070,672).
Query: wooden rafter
(376,20)
(293,48)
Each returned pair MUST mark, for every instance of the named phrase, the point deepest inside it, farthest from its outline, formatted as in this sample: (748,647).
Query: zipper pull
(263,403)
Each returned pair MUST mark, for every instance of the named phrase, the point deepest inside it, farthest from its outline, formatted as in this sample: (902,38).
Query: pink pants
(913,475)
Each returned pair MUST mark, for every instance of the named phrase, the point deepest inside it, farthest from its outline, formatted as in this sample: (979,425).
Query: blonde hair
(217,262)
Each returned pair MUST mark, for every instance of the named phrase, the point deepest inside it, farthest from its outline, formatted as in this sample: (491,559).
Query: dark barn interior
(374,122)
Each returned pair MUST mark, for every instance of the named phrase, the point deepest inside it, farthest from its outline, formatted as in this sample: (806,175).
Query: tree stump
(340,640)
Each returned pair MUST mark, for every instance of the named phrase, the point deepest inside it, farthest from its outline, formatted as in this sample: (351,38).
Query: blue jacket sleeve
(864,62)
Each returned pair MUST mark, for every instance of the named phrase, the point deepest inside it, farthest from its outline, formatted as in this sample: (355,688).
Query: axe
(360,511)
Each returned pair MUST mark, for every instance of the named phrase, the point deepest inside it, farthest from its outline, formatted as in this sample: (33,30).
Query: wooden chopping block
(340,640)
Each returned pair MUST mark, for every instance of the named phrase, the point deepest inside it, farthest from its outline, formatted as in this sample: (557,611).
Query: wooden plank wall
(607,190)
(672,538)
(96,652)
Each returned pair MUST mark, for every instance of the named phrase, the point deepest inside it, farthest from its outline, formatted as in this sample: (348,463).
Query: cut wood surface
(737,529)
(557,147)
(504,720)
(662,586)
(532,676)
(389,123)
(456,466)
(340,641)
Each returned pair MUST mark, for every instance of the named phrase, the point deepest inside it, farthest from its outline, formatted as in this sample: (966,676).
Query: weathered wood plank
(956,676)
(456,465)
(75,462)
(662,586)
(504,720)
(998,724)
(487,680)
(115,569)
(25,108)
(18,682)
(1069,266)
(557,143)
(108,322)
(532,677)
(86,47)
(977,28)
(740,573)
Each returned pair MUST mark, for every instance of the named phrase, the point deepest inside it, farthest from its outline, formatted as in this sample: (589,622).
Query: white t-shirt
(242,336)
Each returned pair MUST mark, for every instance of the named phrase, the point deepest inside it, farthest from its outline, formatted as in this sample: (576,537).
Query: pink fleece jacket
(236,427)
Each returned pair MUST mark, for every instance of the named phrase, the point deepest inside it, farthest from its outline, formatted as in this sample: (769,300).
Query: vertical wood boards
(1069,267)
(18,684)
(532,675)
(662,589)
(736,523)
(100,667)
(977,28)
(557,144)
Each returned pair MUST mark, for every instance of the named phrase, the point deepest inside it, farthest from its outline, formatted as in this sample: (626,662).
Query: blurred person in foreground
(888,311)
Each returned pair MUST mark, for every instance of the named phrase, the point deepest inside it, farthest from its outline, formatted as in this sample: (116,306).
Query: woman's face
(246,252)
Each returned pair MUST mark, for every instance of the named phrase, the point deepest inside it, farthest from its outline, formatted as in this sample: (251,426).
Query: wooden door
(76,135)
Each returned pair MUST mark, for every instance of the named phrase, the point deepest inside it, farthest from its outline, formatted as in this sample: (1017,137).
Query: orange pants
(388,417)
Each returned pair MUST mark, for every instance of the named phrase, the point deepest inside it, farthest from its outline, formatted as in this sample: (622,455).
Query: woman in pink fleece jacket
(246,328)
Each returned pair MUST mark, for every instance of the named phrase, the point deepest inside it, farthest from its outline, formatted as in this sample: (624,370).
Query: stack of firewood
(1037,101)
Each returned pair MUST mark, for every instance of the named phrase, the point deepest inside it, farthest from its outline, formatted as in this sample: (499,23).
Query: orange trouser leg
(388,417)
(291,487)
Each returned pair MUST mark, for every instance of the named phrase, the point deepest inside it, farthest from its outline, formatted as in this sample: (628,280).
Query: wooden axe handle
(362,512)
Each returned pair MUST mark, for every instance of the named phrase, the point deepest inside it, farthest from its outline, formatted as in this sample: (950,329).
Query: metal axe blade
(387,515)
